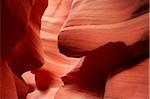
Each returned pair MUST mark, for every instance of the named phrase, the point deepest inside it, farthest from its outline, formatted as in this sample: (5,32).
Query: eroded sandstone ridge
(74,49)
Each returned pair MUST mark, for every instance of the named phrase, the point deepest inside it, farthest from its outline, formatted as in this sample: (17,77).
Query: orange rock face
(91,24)
(74,49)
(110,35)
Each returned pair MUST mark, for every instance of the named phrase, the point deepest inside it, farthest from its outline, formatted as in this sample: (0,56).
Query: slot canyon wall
(74,49)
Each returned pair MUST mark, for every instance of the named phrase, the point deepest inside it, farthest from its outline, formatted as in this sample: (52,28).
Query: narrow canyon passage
(74,49)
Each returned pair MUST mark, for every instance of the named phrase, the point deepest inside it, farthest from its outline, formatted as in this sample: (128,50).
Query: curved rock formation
(105,45)
(21,50)
(111,34)
(88,27)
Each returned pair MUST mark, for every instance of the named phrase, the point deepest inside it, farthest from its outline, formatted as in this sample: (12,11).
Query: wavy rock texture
(15,28)
(111,35)
(28,53)
(99,64)
(135,87)
(129,84)
(21,50)
(91,24)
(48,78)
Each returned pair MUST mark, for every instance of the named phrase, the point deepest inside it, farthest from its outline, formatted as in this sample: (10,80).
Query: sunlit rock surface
(130,84)
(111,35)
(56,65)
(91,24)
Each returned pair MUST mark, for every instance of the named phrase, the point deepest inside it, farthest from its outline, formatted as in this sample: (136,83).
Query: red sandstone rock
(85,30)
(21,22)
(109,34)
(91,24)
